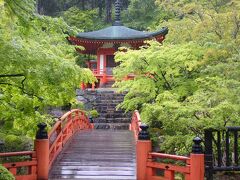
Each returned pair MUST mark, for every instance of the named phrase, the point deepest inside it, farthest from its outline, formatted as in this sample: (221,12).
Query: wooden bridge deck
(97,154)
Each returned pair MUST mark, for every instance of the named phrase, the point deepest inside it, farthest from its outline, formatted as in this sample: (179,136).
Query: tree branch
(12,75)
(165,79)
(195,130)
(236,27)
(22,88)
(195,115)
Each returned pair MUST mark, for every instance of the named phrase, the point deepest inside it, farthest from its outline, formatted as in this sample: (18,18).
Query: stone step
(113,115)
(112,126)
(108,101)
(112,120)
(109,84)
(105,105)
(108,95)
(108,112)
(105,102)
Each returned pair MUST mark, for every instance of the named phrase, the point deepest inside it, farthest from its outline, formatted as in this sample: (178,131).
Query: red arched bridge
(74,150)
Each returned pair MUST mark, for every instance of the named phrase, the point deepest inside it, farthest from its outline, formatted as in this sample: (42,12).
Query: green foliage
(14,143)
(43,62)
(5,174)
(83,19)
(94,113)
(77,105)
(191,82)
(141,14)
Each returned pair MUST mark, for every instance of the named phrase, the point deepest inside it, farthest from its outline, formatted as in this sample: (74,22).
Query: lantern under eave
(105,42)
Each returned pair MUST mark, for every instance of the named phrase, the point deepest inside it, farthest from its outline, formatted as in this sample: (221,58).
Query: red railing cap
(169,156)
(22,153)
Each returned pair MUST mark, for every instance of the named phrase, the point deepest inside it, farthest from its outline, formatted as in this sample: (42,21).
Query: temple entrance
(110,64)
(105,42)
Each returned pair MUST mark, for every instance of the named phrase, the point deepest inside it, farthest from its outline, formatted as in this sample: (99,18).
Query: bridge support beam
(42,152)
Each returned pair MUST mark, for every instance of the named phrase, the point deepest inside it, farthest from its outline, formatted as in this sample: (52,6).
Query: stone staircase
(109,84)
(110,118)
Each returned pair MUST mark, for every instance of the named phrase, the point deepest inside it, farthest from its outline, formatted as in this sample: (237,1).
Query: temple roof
(120,32)
(115,34)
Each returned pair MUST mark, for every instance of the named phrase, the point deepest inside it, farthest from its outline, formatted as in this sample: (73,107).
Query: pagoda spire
(117,21)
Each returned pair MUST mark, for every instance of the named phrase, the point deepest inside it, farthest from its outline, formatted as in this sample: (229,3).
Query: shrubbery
(15,143)
(5,174)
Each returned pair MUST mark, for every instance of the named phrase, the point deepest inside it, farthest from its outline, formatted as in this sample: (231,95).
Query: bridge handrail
(67,125)
(30,164)
(148,161)
(135,124)
(58,136)
(169,168)
(169,156)
(8,154)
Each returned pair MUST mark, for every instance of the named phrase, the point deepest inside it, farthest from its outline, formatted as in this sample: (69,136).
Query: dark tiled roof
(119,32)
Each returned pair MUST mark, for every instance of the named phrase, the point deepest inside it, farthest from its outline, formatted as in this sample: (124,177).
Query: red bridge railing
(149,163)
(29,165)
(68,124)
(135,124)
(47,147)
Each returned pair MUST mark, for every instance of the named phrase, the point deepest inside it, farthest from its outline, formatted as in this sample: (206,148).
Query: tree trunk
(108,11)
(83,4)
(40,7)
(93,4)
(124,4)
(47,7)
(100,8)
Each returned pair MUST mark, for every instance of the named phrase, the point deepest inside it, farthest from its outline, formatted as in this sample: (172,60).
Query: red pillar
(197,166)
(143,148)
(197,160)
(42,152)
(105,75)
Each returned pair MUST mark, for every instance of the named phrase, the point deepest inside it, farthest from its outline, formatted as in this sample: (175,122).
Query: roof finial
(117,21)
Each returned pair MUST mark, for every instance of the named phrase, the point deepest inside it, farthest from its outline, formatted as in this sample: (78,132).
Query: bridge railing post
(144,146)
(197,160)
(42,152)
(91,122)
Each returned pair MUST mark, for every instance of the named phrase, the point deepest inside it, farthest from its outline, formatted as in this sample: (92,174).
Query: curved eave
(120,33)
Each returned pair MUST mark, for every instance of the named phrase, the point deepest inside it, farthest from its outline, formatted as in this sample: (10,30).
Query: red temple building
(105,42)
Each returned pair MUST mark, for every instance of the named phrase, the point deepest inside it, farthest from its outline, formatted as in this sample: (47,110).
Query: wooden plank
(67,177)
(91,172)
(97,154)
